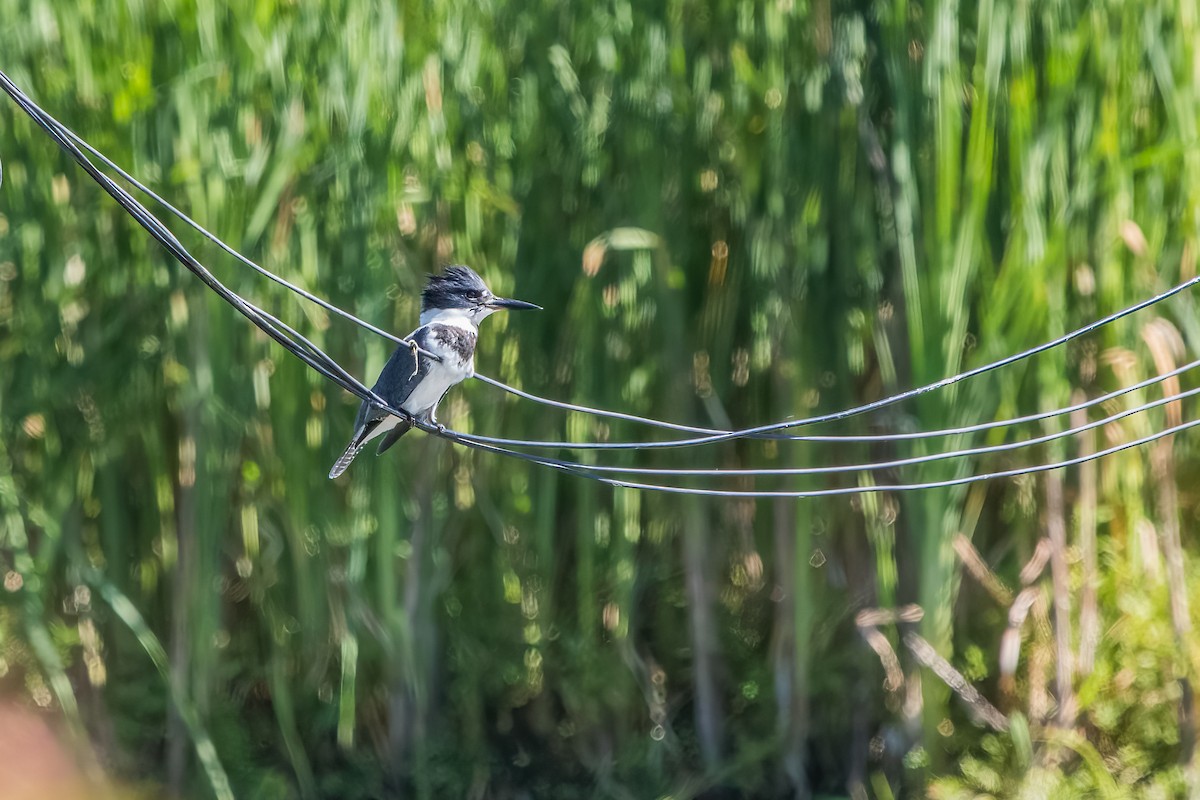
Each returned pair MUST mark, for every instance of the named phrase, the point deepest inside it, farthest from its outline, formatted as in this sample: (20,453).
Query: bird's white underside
(442,375)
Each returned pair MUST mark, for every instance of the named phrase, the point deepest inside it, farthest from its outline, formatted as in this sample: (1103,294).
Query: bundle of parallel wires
(659,479)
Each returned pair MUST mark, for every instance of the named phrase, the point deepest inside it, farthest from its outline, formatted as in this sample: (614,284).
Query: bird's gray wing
(400,375)
(402,372)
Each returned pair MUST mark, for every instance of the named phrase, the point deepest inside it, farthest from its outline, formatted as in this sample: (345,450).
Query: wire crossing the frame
(314,357)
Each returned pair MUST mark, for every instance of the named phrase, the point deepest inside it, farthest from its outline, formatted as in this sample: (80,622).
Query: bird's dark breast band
(460,340)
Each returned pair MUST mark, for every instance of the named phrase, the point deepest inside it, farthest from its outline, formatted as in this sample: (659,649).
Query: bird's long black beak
(514,305)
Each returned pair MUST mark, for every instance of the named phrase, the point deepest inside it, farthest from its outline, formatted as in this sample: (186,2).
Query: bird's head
(460,292)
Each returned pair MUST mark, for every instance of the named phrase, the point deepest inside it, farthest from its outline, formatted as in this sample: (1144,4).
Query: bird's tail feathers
(362,436)
(340,465)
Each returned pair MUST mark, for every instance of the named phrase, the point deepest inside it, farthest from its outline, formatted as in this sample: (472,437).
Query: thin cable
(839,437)
(881,437)
(911,393)
(582,471)
(300,347)
(711,435)
(212,237)
(732,472)
(906,487)
(615,414)
(314,357)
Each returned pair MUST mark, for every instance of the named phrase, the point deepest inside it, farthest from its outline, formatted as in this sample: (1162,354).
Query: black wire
(733,472)
(266,273)
(882,437)
(838,437)
(315,358)
(302,348)
(713,435)
(909,487)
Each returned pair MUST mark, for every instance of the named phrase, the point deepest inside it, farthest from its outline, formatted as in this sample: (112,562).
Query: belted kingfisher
(452,306)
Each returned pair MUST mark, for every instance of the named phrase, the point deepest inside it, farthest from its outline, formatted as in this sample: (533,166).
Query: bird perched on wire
(452,306)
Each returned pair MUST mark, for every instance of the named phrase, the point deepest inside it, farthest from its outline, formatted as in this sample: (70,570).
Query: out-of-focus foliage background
(733,213)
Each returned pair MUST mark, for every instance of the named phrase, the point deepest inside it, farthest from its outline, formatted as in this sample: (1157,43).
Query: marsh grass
(733,214)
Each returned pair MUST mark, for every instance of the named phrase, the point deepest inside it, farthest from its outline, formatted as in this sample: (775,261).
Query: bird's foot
(416,351)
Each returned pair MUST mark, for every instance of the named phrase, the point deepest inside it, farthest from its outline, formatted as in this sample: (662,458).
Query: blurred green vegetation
(734,213)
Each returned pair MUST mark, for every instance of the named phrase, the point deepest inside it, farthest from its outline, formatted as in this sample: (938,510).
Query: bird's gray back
(406,372)
(400,376)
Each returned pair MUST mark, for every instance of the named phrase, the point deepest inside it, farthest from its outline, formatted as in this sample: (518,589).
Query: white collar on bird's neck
(468,318)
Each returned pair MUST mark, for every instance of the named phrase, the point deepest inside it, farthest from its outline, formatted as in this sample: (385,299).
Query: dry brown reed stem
(1166,347)
(868,622)
(1041,656)
(893,675)
(980,571)
(1060,580)
(1089,613)
(1029,599)
(1037,562)
(1010,641)
(929,658)
(874,617)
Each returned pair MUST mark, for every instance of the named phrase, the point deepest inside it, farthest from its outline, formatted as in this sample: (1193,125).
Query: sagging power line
(304,349)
